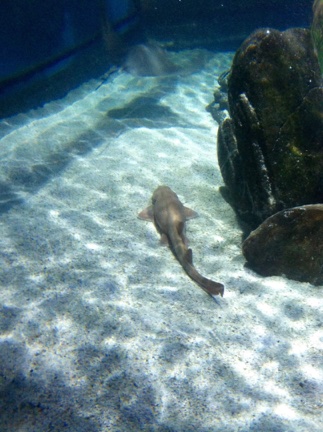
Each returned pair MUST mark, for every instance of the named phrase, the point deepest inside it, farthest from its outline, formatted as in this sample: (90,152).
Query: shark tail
(208,285)
(185,257)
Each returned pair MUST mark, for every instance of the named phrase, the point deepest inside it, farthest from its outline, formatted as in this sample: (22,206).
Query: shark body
(169,216)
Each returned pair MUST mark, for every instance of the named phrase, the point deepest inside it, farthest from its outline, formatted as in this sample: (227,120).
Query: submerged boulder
(270,150)
(289,243)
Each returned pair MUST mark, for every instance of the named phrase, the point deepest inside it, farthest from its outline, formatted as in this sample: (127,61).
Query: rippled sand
(101,330)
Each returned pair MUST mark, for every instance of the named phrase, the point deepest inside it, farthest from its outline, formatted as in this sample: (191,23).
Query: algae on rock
(317,30)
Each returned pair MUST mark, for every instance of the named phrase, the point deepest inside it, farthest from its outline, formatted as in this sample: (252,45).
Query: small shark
(169,216)
(149,59)
(152,60)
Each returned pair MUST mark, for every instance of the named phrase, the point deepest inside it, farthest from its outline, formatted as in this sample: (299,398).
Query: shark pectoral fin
(189,213)
(147,214)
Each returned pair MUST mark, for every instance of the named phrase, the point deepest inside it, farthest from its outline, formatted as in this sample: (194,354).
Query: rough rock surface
(271,149)
(289,242)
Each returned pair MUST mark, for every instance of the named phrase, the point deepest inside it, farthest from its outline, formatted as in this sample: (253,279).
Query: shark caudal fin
(211,287)
(208,285)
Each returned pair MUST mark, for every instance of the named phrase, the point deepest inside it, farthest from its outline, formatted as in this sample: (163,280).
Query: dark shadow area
(8,318)
(144,111)
(37,89)
(37,403)
(142,108)
(8,197)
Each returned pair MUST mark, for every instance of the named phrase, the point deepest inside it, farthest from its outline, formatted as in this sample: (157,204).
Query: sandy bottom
(101,330)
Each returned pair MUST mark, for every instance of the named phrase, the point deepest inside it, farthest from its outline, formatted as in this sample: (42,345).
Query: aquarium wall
(47,48)
(36,34)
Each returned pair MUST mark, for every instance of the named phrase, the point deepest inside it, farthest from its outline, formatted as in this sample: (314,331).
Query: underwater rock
(270,151)
(219,107)
(317,30)
(289,243)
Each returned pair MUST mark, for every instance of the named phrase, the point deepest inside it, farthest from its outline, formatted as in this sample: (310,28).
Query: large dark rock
(271,149)
(289,243)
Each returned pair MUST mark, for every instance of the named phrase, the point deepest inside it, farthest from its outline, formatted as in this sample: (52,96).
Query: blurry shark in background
(150,59)
(169,216)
